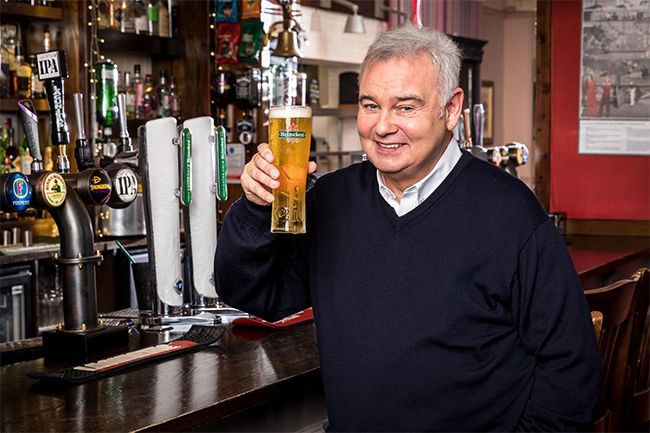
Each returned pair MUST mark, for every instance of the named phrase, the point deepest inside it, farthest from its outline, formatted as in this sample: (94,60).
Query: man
(444,298)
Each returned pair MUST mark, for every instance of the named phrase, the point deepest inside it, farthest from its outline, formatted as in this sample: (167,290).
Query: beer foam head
(287,111)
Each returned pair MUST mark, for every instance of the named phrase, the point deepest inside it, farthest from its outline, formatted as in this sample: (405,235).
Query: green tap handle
(222,185)
(186,167)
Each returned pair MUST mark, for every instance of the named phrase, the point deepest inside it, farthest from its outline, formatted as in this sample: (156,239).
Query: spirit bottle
(138,91)
(149,101)
(175,99)
(130,96)
(106,79)
(163,95)
(23,72)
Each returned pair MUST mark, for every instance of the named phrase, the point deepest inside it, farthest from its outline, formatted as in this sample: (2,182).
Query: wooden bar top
(600,259)
(246,367)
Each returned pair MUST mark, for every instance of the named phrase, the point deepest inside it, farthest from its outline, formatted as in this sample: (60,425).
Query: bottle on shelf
(23,73)
(149,101)
(38,90)
(153,16)
(124,17)
(106,77)
(47,39)
(163,94)
(164,29)
(175,98)
(25,157)
(224,87)
(11,152)
(138,91)
(130,96)
(140,19)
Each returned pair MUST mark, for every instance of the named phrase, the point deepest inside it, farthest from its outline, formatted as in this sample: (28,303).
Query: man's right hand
(260,176)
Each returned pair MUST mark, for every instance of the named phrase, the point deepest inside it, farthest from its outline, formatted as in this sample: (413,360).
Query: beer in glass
(289,138)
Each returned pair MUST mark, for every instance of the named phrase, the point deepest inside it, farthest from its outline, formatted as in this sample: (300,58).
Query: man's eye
(405,109)
(369,106)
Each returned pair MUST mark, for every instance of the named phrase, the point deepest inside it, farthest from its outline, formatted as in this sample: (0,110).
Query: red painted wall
(586,186)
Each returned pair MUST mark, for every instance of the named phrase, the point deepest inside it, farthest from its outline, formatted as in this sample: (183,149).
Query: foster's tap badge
(18,192)
(54,190)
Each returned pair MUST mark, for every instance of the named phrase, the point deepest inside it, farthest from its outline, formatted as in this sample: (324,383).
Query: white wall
(509,61)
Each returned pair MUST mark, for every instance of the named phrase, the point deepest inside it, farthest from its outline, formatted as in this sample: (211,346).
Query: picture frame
(487,99)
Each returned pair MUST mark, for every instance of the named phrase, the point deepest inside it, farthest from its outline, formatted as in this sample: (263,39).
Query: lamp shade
(354,24)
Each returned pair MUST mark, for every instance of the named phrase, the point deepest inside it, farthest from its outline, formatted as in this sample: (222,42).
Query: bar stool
(614,302)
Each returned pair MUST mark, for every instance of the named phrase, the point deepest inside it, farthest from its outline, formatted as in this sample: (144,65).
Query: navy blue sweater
(465,314)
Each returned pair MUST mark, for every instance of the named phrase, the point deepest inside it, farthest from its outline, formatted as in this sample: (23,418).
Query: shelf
(152,45)
(11,104)
(341,112)
(25,10)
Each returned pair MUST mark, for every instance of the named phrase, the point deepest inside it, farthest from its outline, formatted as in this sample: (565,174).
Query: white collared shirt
(416,194)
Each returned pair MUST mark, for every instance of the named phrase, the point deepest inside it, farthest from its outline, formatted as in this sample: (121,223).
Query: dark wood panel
(193,71)
(245,368)
(608,227)
(145,44)
(542,116)
(18,10)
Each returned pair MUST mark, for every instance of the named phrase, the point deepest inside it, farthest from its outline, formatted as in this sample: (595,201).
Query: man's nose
(385,123)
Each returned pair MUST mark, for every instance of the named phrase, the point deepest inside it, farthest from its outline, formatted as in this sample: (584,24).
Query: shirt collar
(420,191)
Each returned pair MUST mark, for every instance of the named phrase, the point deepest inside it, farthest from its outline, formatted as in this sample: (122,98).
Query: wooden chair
(614,302)
(637,377)
(597,320)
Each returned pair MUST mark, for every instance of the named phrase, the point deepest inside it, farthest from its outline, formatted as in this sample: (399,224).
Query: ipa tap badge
(54,190)
(126,185)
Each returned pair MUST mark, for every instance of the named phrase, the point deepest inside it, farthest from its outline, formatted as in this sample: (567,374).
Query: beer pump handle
(220,165)
(30,126)
(186,167)
(79,115)
(125,140)
(479,123)
(52,69)
(81,151)
(468,128)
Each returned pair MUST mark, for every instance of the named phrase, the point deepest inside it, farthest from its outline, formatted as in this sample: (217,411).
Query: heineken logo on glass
(292,134)
(51,65)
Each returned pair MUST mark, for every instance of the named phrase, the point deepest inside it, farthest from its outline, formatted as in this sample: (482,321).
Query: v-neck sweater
(465,314)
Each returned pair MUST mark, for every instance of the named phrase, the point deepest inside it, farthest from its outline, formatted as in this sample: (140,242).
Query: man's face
(399,120)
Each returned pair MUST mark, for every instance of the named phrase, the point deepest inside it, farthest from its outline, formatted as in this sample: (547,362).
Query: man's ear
(454,108)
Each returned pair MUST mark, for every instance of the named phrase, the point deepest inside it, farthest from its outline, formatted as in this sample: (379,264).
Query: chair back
(637,378)
(597,321)
(614,302)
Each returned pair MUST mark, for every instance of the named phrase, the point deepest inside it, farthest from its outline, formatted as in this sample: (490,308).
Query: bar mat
(293,320)
(198,337)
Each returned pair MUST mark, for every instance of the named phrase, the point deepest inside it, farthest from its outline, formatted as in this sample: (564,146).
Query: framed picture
(487,99)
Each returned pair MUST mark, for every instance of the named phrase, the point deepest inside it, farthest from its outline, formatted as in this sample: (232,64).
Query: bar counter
(243,369)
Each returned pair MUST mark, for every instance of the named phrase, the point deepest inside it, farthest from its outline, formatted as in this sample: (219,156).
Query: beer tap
(82,151)
(123,177)
(80,332)
(49,188)
(468,128)
(192,173)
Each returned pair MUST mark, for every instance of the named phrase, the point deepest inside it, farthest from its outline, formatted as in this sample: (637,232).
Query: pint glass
(289,138)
